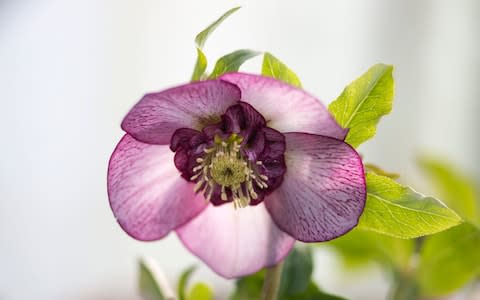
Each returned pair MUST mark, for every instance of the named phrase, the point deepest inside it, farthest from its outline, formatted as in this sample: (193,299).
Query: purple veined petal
(147,195)
(286,108)
(236,242)
(156,116)
(323,191)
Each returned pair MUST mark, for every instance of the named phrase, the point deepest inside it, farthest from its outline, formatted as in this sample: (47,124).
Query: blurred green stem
(272,282)
(405,288)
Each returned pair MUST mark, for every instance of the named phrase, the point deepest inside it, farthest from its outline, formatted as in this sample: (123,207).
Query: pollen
(223,167)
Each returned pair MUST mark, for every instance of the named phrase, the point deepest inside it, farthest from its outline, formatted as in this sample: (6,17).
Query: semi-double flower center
(237,159)
(225,166)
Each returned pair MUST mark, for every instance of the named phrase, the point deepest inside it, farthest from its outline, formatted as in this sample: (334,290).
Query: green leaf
(454,187)
(249,287)
(297,271)
(200,65)
(149,284)
(200,39)
(272,67)
(313,293)
(232,62)
(359,247)
(398,211)
(449,260)
(369,167)
(200,291)
(202,36)
(363,102)
(296,275)
(183,282)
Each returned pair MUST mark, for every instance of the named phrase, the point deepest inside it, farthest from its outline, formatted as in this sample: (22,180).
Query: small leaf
(183,282)
(200,291)
(232,62)
(296,275)
(272,67)
(359,247)
(297,271)
(202,36)
(455,188)
(313,293)
(150,284)
(249,287)
(398,211)
(369,167)
(200,39)
(363,102)
(200,65)
(449,260)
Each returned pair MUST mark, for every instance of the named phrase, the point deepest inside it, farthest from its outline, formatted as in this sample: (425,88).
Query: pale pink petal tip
(147,195)
(235,243)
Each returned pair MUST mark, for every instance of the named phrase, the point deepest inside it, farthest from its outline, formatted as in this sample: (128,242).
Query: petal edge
(286,108)
(147,195)
(235,243)
(323,192)
(156,116)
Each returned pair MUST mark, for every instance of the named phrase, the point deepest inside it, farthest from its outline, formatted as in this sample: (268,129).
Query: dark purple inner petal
(241,118)
(252,148)
(182,137)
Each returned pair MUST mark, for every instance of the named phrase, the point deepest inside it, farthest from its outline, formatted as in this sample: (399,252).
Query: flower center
(239,159)
(223,165)
(228,171)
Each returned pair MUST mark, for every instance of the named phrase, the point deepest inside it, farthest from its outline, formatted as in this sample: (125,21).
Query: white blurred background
(70,70)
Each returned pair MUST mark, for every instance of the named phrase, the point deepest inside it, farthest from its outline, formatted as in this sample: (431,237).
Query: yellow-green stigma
(228,171)
(223,165)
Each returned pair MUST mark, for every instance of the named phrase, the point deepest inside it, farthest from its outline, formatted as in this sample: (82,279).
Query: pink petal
(156,116)
(147,195)
(286,108)
(323,191)
(236,242)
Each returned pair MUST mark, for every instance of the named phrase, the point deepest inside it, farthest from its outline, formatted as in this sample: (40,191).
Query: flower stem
(405,288)
(271,284)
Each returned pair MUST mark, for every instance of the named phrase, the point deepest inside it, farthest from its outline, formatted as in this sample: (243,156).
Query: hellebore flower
(239,167)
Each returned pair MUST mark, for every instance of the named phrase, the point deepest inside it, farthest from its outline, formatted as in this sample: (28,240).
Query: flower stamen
(224,166)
